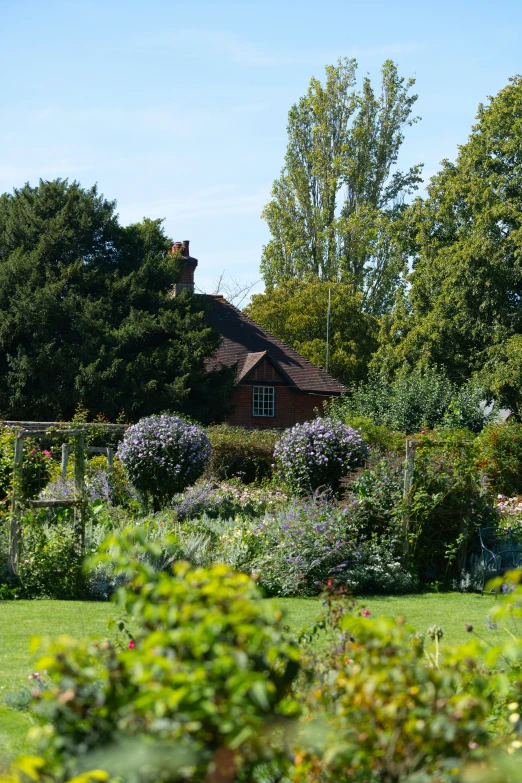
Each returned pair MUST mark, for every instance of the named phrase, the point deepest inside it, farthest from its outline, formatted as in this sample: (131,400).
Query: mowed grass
(449,610)
(21,620)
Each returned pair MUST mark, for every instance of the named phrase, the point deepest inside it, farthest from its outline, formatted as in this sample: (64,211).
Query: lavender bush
(300,548)
(318,453)
(162,455)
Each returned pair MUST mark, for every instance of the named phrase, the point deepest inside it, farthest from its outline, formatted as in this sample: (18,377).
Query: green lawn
(20,620)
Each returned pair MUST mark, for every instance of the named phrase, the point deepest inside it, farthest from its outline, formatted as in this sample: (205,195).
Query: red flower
(132,644)
(365,612)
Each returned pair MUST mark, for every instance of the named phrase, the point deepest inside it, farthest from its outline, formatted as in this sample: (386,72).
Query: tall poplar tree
(333,209)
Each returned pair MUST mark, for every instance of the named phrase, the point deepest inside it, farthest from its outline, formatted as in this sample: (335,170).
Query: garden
(217,604)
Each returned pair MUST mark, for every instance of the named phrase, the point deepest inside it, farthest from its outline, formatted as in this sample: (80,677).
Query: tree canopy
(296,313)
(333,209)
(462,307)
(87,313)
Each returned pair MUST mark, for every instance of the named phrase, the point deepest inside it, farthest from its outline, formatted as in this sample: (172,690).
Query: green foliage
(446,506)
(296,312)
(35,768)
(377,436)
(499,457)
(49,560)
(342,140)
(204,683)
(236,451)
(423,398)
(465,239)
(37,465)
(394,707)
(89,302)
(502,374)
(377,493)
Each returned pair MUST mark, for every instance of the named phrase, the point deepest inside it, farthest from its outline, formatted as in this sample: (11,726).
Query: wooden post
(14,524)
(409,467)
(110,460)
(65,459)
(79,486)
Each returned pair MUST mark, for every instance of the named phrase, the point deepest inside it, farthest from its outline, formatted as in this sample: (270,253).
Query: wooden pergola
(26,429)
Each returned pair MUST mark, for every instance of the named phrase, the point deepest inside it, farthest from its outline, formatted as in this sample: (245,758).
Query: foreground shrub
(241,453)
(164,454)
(198,691)
(201,686)
(318,454)
(391,706)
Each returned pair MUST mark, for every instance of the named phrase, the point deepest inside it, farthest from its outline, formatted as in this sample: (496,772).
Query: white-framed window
(263,401)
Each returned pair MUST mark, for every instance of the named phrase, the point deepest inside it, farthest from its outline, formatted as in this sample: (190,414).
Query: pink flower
(365,612)
(422,432)
(132,644)
(46,453)
(472,745)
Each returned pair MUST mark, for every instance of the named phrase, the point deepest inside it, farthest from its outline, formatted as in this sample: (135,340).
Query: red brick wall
(291,407)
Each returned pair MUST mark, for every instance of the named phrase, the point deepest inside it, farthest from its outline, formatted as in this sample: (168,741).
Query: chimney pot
(188,266)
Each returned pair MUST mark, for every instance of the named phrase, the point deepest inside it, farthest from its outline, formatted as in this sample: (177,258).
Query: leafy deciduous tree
(464,299)
(296,313)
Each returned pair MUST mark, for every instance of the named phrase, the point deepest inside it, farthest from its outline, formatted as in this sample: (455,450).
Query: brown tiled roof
(244,342)
(251,361)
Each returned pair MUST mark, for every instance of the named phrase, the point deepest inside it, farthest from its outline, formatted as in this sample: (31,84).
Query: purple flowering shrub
(163,455)
(298,549)
(318,453)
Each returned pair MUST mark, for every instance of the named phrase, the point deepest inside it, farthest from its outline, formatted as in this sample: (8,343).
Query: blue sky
(178,110)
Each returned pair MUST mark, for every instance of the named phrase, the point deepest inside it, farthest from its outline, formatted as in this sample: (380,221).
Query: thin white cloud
(232,48)
(171,119)
(218,201)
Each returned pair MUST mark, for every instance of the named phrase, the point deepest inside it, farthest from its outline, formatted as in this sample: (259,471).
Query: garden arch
(53,429)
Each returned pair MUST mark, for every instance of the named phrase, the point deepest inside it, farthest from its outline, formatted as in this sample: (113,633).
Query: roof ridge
(273,337)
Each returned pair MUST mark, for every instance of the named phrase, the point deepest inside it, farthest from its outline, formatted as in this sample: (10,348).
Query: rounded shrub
(163,455)
(318,453)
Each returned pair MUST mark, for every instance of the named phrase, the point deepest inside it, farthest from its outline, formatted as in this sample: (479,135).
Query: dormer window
(263,401)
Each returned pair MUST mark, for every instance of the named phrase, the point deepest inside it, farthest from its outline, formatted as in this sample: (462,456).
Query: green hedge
(240,452)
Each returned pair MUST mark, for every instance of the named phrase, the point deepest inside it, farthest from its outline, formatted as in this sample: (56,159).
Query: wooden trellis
(25,429)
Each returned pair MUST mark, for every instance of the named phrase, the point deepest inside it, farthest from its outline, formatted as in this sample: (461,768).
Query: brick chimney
(188,266)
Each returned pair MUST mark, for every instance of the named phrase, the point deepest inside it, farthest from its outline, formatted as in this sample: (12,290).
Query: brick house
(275,385)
